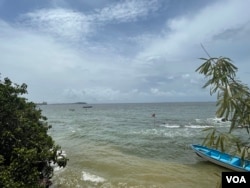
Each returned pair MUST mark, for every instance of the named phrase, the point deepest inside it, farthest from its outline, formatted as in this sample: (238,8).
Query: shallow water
(123,146)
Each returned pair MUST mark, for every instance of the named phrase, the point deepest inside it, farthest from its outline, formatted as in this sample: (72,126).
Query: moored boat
(87,106)
(223,159)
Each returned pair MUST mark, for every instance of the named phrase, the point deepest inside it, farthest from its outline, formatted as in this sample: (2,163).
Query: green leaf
(25,146)
(233,100)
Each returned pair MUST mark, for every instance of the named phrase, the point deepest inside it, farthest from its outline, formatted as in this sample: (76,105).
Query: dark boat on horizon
(87,106)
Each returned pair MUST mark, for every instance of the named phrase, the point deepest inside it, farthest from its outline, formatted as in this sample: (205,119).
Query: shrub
(26,150)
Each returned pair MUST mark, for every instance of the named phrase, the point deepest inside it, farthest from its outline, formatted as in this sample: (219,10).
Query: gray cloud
(128,10)
(75,25)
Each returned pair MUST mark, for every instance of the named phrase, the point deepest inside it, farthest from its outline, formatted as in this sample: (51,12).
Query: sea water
(133,145)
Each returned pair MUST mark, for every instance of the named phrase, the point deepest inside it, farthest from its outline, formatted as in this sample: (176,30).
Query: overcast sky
(103,51)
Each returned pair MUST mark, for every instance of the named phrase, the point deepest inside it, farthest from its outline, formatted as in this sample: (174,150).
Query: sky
(120,51)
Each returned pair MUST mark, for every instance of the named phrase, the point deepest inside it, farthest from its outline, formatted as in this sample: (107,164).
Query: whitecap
(92,178)
(60,154)
(198,126)
(57,168)
(170,126)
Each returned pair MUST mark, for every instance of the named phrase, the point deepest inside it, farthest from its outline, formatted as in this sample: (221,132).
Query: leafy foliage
(233,100)
(26,150)
(221,140)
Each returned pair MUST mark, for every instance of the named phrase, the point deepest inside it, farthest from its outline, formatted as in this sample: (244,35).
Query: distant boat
(223,159)
(87,106)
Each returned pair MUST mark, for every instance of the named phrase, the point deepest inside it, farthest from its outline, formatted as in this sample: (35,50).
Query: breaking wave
(92,178)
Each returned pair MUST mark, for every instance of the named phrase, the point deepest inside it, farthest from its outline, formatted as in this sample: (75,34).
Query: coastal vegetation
(27,152)
(233,104)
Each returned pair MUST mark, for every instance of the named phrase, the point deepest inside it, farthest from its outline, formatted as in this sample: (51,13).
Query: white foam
(212,122)
(92,178)
(170,126)
(186,126)
(58,168)
(198,126)
(60,154)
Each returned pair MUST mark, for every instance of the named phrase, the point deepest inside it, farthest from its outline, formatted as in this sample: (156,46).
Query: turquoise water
(123,146)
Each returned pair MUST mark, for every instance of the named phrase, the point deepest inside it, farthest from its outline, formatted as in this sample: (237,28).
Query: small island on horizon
(80,103)
(45,103)
(42,103)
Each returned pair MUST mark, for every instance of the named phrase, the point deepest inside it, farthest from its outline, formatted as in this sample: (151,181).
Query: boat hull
(222,159)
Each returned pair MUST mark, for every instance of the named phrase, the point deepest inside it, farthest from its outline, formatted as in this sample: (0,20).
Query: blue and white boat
(223,159)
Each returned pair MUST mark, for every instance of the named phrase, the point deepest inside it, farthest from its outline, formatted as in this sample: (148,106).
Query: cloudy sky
(105,51)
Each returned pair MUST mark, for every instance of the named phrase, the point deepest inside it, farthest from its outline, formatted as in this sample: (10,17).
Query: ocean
(145,145)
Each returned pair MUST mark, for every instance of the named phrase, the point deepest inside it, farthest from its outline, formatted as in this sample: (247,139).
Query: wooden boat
(223,159)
